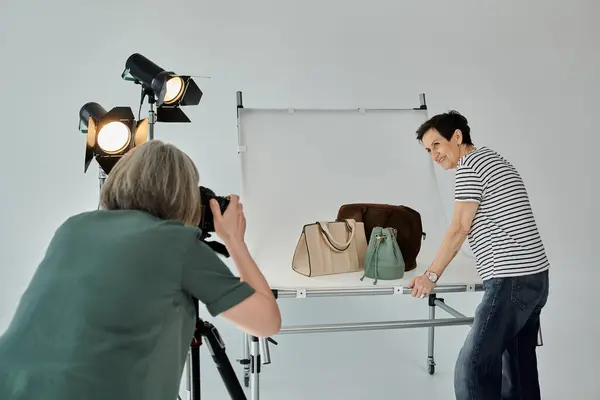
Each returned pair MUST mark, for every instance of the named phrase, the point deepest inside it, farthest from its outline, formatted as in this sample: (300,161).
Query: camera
(207,223)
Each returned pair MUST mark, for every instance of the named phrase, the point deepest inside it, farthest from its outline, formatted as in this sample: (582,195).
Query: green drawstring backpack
(383,259)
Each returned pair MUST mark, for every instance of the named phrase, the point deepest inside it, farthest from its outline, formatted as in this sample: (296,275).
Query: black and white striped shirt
(504,236)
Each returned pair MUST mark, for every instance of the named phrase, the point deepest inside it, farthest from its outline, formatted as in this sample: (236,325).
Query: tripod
(216,346)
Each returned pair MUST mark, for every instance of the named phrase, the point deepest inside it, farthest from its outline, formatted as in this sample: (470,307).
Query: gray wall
(524,73)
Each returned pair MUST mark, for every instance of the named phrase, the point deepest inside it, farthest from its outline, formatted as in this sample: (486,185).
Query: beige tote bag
(327,248)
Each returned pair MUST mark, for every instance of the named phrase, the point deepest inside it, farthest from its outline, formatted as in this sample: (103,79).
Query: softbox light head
(166,87)
(110,134)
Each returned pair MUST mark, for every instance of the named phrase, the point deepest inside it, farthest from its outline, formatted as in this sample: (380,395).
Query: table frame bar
(253,347)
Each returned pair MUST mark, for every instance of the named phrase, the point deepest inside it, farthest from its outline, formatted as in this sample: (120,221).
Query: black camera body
(207,222)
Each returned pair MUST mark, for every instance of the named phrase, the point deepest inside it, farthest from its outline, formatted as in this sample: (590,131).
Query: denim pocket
(527,291)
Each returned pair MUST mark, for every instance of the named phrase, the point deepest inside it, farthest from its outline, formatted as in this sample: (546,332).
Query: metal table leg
(431,336)
(255,365)
(245,360)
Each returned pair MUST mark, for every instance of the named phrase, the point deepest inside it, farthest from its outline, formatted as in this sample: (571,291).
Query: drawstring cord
(374,254)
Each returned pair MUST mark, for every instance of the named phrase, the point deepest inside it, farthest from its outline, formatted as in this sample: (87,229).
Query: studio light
(168,90)
(109,134)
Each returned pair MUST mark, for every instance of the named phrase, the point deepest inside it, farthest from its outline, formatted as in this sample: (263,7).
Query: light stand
(151,113)
(101,177)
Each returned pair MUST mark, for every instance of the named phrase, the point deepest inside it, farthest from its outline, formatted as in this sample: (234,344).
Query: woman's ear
(458,136)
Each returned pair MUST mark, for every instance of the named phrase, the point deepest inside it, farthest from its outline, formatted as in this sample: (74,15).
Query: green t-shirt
(108,314)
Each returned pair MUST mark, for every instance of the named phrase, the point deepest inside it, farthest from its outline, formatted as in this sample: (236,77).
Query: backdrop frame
(256,350)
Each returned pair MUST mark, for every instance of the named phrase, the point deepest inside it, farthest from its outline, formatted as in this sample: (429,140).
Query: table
(460,277)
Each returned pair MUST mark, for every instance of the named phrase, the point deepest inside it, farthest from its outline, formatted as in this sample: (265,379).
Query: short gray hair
(157,178)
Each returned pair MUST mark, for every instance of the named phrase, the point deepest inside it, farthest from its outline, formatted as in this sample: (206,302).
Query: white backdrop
(298,166)
(524,73)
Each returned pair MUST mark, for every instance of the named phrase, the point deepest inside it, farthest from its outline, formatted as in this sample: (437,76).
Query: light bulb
(113,137)
(174,89)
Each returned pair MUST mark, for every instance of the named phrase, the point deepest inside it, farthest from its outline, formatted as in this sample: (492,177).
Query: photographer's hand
(231,225)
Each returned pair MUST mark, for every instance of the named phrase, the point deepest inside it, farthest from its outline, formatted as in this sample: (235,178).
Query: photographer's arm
(241,301)
(261,310)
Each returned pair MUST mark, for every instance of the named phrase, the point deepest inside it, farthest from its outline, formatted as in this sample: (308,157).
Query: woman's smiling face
(444,152)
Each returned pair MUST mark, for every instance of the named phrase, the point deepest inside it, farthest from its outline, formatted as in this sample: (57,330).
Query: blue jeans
(498,359)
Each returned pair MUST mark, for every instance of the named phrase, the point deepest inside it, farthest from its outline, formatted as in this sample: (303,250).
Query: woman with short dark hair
(492,209)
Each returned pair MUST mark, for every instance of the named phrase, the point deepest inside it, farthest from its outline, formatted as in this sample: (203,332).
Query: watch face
(432,276)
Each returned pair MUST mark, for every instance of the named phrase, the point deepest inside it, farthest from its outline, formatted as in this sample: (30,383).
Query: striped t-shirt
(504,236)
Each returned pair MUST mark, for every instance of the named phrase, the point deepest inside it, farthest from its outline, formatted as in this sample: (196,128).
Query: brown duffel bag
(402,218)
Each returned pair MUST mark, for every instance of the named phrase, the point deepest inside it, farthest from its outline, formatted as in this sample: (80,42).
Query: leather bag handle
(350,224)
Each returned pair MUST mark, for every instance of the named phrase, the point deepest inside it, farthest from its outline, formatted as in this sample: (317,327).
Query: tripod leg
(195,355)
(189,374)
(255,365)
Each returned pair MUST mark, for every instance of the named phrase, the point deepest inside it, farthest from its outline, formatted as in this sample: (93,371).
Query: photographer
(108,313)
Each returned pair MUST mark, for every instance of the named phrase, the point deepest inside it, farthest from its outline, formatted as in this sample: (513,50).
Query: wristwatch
(432,276)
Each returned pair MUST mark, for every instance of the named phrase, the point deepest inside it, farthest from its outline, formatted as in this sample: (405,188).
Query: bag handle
(350,224)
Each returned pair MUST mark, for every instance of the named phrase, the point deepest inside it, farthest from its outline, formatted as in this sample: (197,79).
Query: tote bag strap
(350,224)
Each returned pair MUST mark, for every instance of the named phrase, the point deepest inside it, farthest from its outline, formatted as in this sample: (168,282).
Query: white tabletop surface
(461,271)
